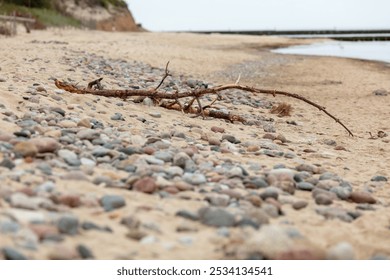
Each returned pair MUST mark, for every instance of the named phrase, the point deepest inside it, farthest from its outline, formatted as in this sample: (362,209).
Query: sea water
(367,50)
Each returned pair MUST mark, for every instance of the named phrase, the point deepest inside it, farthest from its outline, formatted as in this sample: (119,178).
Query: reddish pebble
(149,150)
(171,190)
(362,197)
(72,201)
(217,129)
(145,185)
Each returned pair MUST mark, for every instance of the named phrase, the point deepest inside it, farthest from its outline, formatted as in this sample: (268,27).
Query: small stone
(379,178)
(155,115)
(117,117)
(88,134)
(216,217)
(230,138)
(69,157)
(220,200)
(342,193)
(380,92)
(71,200)
(68,225)
(298,205)
(217,129)
(67,124)
(194,178)
(131,222)
(64,253)
(145,185)
(341,251)
(45,144)
(270,192)
(187,215)
(362,197)
(304,186)
(7,163)
(148,102)
(85,252)
(2,79)
(323,199)
(75,176)
(112,202)
(25,149)
(214,141)
(84,123)
(164,155)
(12,254)
(180,159)
(44,231)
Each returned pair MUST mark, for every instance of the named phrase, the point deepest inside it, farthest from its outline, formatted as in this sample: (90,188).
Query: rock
(45,144)
(9,226)
(131,222)
(180,159)
(69,157)
(216,217)
(64,253)
(298,205)
(68,225)
(84,252)
(26,216)
(341,251)
(308,168)
(230,138)
(12,254)
(217,129)
(380,92)
(187,215)
(219,200)
(26,149)
(323,199)
(334,212)
(304,186)
(67,124)
(2,79)
(342,193)
(112,202)
(44,231)
(256,183)
(7,163)
(117,117)
(214,141)
(84,123)
(379,178)
(145,185)
(88,134)
(362,197)
(270,192)
(155,115)
(164,155)
(71,200)
(194,178)
(21,200)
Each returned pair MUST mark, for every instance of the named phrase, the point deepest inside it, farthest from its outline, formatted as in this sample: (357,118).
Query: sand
(344,86)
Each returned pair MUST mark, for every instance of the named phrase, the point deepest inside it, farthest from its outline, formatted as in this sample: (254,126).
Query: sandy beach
(148,224)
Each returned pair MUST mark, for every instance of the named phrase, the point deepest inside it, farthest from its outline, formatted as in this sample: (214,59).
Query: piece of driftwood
(162,97)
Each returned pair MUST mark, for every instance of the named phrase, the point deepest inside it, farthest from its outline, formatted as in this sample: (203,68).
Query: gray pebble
(88,134)
(379,178)
(69,157)
(84,252)
(117,117)
(100,152)
(272,192)
(194,178)
(216,217)
(341,251)
(155,115)
(112,202)
(304,186)
(8,226)
(231,139)
(188,215)
(68,225)
(342,193)
(7,163)
(12,254)
(163,155)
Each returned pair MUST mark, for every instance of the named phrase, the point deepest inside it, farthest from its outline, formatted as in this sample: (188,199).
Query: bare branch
(195,94)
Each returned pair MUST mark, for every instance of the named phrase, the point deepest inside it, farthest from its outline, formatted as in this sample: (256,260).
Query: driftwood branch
(195,94)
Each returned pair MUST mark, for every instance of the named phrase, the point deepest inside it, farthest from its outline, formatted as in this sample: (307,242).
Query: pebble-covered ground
(129,180)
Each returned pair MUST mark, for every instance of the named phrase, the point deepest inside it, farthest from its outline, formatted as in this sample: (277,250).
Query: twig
(165,76)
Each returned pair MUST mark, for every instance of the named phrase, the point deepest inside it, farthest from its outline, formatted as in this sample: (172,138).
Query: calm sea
(368,50)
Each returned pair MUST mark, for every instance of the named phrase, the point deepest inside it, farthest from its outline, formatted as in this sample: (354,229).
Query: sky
(209,15)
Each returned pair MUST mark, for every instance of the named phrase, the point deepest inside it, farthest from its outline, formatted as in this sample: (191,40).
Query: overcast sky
(193,15)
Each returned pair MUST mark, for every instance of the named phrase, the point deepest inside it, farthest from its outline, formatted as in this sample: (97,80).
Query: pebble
(25,149)
(88,134)
(117,117)
(155,115)
(217,129)
(362,197)
(45,144)
(112,202)
(323,199)
(379,178)
(298,205)
(268,192)
(304,186)
(230,138)
(69,157)
(341,251)
(68,225)
(84,252)
(216,217)
(7,163)
(187,215)
(145,185)
(12,254)
(194,178)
